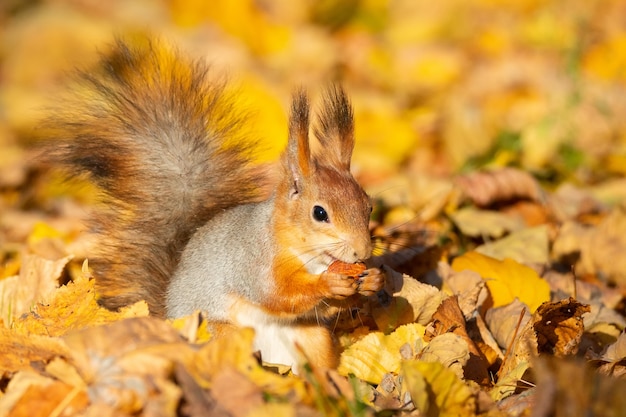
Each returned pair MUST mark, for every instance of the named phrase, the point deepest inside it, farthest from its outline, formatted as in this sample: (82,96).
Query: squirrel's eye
(319,214)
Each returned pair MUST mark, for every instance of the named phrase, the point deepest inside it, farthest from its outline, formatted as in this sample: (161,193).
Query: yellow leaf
(72,307)
(430,383)
(36,283)
(506,279)
(377,354)
(193,327)
(507,384)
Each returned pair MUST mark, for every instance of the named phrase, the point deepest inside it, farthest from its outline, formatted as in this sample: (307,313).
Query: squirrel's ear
(335,128)
(297,157)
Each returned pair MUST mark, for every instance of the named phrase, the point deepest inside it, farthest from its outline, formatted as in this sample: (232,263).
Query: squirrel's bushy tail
(166,145)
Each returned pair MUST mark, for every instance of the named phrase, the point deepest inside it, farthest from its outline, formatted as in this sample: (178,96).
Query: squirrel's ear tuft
(335,128)
(297,157)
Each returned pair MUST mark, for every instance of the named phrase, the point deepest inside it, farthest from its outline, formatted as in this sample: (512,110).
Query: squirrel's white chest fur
(276,339)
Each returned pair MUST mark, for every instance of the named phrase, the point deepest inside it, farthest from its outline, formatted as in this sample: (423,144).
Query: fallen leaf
(503,184)
(555,329)
(600,248)
(559,327)
(377,354)
(506,279)
(508,383)
(484,223)
(503,320)
(73,306)
(449,319)
(36,282)
(526,246)
(437,389)
(613,360)
(21,352)
(449,349)
(411,302)
(235,393)
(466,285)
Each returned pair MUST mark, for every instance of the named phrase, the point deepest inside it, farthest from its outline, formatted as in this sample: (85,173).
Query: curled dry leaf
(559,327)
(555,328)
(505,184)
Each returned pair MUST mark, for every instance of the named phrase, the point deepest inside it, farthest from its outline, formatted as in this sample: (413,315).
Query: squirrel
(184,224)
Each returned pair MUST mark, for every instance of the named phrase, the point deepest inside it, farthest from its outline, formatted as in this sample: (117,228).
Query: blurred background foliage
(438,87)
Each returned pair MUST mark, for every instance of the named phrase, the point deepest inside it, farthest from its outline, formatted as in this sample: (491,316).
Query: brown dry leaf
(502,321)
(613,360)
(504,184)
(485,223)
(72,307)
(448,349)
(128,364)
(449,319)
(412,302)
(601,248)
(467,286)
(36,282)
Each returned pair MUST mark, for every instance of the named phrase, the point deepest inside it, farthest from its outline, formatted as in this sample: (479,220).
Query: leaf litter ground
(490,137)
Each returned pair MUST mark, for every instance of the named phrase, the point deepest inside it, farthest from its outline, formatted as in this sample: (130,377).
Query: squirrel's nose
(363,250)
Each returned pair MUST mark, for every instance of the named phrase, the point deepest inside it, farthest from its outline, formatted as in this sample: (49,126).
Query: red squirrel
(182,224)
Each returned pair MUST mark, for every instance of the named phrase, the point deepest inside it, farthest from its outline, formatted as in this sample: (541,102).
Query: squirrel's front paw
(370,281)
(340,286)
